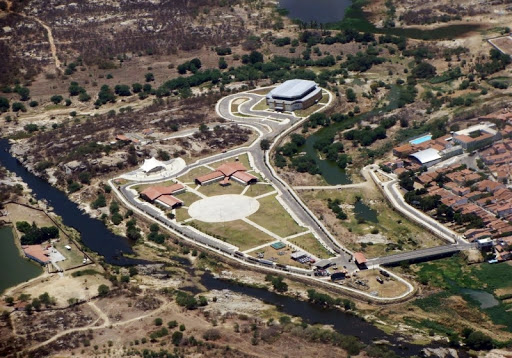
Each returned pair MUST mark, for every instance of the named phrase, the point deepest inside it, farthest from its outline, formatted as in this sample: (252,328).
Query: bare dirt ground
(62,287)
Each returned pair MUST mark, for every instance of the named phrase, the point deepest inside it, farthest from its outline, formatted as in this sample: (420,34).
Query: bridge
(421,254)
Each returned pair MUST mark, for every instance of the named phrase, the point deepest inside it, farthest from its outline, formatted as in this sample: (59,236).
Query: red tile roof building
(163,195)
(231,170)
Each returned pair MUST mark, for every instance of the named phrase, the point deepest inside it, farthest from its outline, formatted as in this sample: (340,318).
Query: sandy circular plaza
(222,208)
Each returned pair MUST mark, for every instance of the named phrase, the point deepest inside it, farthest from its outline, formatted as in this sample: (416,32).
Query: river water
(320,11)
(14,269)
(93,232)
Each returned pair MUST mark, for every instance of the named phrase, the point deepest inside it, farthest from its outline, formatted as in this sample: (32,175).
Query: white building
(293,95)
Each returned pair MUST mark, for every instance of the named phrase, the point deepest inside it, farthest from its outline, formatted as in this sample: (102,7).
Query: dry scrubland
(118,43)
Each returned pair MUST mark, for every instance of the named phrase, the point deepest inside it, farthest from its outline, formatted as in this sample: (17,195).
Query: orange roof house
(163,195)
(36,253)
(232,170)
(153,192)
(210,177)
(169,201)
(359,258)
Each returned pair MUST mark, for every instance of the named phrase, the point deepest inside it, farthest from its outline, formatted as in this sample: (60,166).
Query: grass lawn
(244,159)
(73,257)
(308,111)
(261,105)
(237,233)
(309,243)
(272,216)
(324,99)
(182,214)
(194,173)
(216,189)
(259,189)
(188,198)
(270,253)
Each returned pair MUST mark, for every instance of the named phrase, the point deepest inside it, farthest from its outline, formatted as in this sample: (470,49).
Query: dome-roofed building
(293,95)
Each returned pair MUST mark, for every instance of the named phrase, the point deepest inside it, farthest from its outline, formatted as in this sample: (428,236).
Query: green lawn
(216,189)
(194,173)
(259,189)
(309,243)
(308,111)
(73,257)
(261,105)
(182,214)
(272,216)
(237,233)
(188,198)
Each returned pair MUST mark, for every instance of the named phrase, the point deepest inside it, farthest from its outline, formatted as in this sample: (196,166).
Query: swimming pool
(421,139)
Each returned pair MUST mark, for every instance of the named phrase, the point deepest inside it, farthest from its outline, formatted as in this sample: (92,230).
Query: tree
(24,93)
(18,106)
(279,284)
(103,290)
(136,87)
(479,341)
(424,70)
(265,144)
(4,104)
(222,63)
(105,95)
(33,104)
(149,77)
(351,95)
(176,338)
(74,89)
(122,90)
(56,98)
(158,321)
(84,97)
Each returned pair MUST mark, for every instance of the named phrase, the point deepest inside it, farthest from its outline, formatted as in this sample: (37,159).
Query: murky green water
(363,211)
(14,268)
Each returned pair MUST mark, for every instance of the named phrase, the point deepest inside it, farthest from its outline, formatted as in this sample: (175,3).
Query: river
(342,322)
(320,11)
(93,232)
(14,269)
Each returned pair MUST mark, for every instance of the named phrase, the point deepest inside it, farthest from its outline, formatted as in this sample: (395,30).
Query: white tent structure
(151,165)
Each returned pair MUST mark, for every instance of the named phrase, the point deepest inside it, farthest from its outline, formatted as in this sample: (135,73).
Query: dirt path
(51,40)
(101,316)
(53,48)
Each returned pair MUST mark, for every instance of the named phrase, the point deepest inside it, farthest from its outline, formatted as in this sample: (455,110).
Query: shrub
(211,334)
(103,290)
(176,338)
(158,321)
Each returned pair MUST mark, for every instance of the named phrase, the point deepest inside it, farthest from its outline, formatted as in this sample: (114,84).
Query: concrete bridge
(421,254)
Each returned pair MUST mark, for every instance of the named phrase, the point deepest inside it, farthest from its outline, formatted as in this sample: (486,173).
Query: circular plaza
(223,208)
